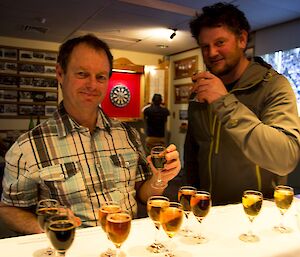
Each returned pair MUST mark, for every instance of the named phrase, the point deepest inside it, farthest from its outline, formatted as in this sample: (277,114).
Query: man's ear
(59,73)
(243,39)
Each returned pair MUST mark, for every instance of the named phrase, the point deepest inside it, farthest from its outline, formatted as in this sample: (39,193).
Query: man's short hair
(157,99)
(67,47)
(217,15)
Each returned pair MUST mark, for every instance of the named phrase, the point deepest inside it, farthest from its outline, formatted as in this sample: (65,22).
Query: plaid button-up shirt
(61,159)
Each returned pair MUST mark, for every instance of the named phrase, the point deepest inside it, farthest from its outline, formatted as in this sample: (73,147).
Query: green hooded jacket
(248,139)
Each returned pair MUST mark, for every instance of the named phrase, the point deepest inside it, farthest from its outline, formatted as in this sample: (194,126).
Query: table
(222,226)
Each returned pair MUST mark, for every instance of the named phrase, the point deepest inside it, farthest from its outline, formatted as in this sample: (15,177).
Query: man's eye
(102,78)
(220,43)
(82,74)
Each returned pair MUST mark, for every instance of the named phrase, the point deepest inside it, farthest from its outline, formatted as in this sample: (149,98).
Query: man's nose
(92,82)
(212,51)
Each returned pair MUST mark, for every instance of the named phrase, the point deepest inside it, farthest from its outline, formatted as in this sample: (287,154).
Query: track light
(173,34)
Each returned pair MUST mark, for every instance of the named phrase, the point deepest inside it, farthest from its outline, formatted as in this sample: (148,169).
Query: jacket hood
(257,71)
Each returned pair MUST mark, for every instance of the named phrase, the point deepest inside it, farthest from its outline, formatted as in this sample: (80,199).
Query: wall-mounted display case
(28,86)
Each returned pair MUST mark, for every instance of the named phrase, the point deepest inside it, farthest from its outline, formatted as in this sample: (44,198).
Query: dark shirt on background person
(156,117)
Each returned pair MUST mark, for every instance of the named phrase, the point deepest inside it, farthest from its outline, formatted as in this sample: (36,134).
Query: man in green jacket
(243,127)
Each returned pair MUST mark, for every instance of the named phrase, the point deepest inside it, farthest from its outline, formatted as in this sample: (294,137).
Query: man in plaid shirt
(79,156)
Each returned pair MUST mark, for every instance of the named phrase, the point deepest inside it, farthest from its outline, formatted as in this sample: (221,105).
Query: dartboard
(120,95)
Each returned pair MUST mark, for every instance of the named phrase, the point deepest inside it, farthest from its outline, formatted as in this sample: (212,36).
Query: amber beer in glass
(118,228)
(200,205)
(283,196)
(252,201)
(185,194)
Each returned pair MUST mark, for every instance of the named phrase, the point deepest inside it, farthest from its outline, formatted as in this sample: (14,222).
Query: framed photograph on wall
(182,93)
(8,109)
(184,68)
(183,114)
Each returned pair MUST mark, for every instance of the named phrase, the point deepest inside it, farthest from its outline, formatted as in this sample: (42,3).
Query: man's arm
(20,220)
(270,138)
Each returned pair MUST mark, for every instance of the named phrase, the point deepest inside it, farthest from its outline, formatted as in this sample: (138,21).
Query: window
(287,63)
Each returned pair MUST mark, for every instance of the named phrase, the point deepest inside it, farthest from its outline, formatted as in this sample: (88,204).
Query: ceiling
(128,24)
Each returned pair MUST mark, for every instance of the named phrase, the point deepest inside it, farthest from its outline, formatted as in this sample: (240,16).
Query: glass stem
(250,230)
(157,227)
(159,181)
(169,250)
(186,226)
(118,251)
(282,220)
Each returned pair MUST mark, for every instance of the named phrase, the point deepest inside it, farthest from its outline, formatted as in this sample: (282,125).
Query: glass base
(156,248)
(283,229)
(186,232)
(249,238)
(109,253)
(169,254)
(159,185)
(200,239)
(46,252)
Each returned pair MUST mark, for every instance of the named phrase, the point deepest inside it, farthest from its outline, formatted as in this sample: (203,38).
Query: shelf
(37,89)
(27,76)
(29,102)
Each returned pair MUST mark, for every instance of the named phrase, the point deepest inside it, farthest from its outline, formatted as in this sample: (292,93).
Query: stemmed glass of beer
(171,218)
(252,201)
(283,196)
(118,226)
(200,205)
(158,159)
(44,210)
(154,207)
(61,232)
(105,209)
(185,194)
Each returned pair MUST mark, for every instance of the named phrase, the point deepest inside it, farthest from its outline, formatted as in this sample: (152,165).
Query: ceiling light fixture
(173,34)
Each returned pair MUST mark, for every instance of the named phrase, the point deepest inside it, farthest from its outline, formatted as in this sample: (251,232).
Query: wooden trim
(125,64)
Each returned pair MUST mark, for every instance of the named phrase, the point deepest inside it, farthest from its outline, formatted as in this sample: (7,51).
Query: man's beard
(225,70)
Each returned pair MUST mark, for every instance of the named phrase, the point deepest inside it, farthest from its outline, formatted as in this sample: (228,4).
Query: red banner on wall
(123,96)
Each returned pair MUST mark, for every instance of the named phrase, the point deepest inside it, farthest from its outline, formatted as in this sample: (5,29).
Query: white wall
(280,37)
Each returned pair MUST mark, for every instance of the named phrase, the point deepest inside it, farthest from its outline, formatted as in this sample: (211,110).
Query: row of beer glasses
(59,225)
(252,202)
(199,202)
(169,215)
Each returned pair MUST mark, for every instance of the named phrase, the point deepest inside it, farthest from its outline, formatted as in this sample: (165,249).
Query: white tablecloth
(222,226)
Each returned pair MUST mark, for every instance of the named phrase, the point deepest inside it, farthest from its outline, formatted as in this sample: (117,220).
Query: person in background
(155,117)
(243,126)
(79,156)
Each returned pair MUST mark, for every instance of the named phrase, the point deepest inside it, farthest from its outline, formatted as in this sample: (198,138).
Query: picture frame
(49,110)
(8,53)
(185,68)
(27,82)
(8,67)
(8,109)
(8,95)
(8,81)
(37,56)
(182,93)
(183,114)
